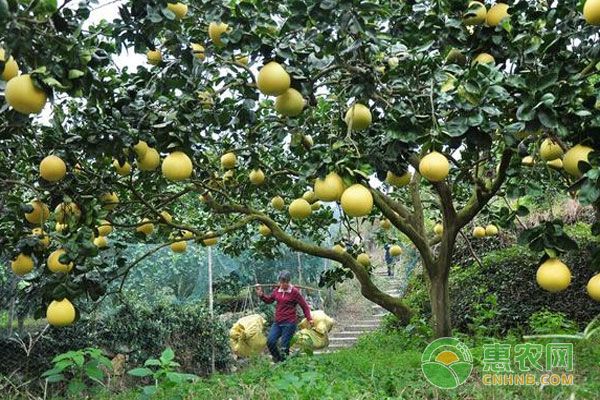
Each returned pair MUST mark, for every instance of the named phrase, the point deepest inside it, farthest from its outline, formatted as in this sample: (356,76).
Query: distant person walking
(388,260)
(287,297)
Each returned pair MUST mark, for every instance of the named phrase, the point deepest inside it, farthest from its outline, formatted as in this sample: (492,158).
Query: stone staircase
(345,336)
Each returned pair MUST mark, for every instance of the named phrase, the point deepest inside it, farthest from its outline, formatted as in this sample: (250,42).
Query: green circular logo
(446,363)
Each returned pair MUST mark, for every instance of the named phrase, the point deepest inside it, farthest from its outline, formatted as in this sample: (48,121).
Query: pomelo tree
(279,119)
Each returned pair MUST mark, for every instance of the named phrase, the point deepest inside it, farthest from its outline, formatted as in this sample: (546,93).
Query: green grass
(381,366)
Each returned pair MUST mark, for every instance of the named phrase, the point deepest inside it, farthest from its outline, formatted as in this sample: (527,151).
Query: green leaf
(167,355)
(140,372)
(75,73)
(55,378)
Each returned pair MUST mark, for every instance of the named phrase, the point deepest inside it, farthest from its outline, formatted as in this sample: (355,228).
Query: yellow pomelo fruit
(43,238)
(398,181)
(22,265)
(549,150)
(228,176)
(105,228)
(228,160)
(475,14)
(593,287)
(60,313)
(264,230)
(299,209)
(179,247)
(11,68)
(330,188)
(438,229)
(478,232)
(150,161)
(496,14)
(434,167)
(358,117)
(122,170)
(101,242)
(573,156)
(54,263)
(212,240)
(491,230)
(53,168)
(179,9)
(109,200)
(185,234)
(591,12)
(363,259)
(166,217)
(357,201)
(553,275)
(316,205)
(257,177)
(272,79)
(66,211)
(198,51)
(215,30)
(385,224)
(278,203)
(556,164)
(290,103)
(177,166)
(22,95)
(242,59)
(39,214)
(338,249)
(307,141)
(484,58)
(146,227)
(528,161)
(154,57)
(140,148)
(60,227)
(309,196)
(395,250)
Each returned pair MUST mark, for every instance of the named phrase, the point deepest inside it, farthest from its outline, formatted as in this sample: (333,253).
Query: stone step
(346,334)
(379,316)
(337,339)
(361,327)
(340,345)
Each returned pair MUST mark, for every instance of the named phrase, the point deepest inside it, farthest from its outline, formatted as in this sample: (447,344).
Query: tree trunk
(440,305)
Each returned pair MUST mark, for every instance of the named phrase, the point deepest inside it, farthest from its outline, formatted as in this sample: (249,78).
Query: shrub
(135,330)
(547,322)
(502,294)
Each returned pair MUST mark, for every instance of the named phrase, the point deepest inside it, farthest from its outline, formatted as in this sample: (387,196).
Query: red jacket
(285,310)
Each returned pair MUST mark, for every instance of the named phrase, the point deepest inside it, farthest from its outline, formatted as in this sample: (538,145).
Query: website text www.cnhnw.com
(523,379)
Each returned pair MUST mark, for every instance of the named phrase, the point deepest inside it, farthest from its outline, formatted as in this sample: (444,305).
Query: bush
(503,294)
(547,322)
(135,330)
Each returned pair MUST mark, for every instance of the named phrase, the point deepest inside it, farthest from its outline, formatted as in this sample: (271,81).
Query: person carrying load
(287,297)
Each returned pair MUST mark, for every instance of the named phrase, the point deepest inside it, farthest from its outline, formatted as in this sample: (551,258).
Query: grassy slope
(381,366)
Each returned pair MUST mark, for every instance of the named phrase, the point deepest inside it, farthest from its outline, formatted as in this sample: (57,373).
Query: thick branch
(482,196)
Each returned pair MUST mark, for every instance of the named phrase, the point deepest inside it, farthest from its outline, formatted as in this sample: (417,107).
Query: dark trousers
(285,331)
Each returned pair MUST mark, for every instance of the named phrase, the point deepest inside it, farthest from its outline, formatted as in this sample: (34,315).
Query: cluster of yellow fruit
(215,32)
(273,80)
(554,276)
(229,162)
(481,232)
(477,14)
(555,157)
(21,93)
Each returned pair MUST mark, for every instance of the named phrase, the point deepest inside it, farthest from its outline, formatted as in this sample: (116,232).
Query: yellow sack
(309,338)
(247,337)
(322,323)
